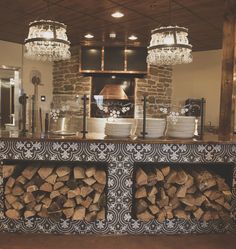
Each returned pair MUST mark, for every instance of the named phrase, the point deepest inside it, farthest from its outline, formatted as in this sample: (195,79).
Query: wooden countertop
(97,137)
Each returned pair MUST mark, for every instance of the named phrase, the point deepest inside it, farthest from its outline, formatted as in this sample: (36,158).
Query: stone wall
(157,85)
(158,88)
(67,81)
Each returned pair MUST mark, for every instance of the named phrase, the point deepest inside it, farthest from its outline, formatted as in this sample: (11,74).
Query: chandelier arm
(46,39)
(170,46)
(48,22)
(167,29)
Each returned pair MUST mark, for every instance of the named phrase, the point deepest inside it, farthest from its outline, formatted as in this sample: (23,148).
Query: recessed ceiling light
(89,36)
(112,35)
(117,14)
(132,37)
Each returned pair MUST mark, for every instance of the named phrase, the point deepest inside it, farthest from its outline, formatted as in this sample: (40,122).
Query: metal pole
(84,132)
(144,133)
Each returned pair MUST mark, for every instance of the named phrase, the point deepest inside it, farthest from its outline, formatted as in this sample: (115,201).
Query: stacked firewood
(75,193)
(173,192)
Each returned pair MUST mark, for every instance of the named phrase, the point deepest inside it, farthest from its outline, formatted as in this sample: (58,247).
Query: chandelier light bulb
(169,39)
(48,34)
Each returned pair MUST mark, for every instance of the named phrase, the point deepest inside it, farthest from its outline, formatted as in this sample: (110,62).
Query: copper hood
(113,91)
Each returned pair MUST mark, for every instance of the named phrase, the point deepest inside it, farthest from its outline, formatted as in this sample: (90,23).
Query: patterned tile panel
(121,158)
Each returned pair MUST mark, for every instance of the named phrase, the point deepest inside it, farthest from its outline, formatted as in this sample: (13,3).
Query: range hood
(113,91)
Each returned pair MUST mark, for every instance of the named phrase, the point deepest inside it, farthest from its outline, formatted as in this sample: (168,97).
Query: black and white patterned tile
(120,158)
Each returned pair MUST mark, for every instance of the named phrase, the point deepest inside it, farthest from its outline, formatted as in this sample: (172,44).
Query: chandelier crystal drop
(47,41)
(169,46)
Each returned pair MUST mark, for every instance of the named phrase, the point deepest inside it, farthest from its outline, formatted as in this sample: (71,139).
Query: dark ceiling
(204,18)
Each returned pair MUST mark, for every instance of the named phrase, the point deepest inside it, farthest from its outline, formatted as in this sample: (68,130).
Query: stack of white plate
(155,127)
(118,129)
(182,127)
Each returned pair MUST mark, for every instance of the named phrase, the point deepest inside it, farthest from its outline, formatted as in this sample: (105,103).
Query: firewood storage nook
(107,186)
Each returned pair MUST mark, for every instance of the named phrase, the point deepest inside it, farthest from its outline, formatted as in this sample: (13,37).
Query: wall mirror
(9,95)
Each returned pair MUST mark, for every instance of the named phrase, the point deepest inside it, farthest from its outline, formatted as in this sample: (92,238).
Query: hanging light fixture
(169,46)
(47,41)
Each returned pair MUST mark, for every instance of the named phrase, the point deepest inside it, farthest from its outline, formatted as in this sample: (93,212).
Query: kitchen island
(120,158)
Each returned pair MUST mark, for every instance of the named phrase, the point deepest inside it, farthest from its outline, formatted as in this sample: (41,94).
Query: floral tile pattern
(120,158)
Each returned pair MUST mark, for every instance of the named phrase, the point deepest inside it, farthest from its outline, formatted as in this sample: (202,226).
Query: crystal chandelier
(169,46)
(47,41)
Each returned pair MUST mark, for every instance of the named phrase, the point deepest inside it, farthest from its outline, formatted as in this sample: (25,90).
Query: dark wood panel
(91,58)
(136,59)
(203,17)
(114,58)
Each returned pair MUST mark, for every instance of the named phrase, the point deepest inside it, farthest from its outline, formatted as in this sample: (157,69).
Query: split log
(152,179)
(45,172)
(100,176)
(79,213)
(181,192)
(29,172)
(94,207)
(161,215)
(140,193)
(17,190)
(87,202)
(154,209)
(63,171)
(165,170)
(68,212)
(89,181)
(141,206)
(181,178)
(38,207)
(79,173)
(58,185)
(98,187)
(12,214)
(89,172)
(86,190)
(32,188)
(96,197)
(28,197)
(29,213)
(46,201)
(8,170)
(10,182)
(51,179)
(145,216)
(21,179)
(141,177)
(152,199)
(159,175)
(64,178)
(198,213)
(101,214)
(47,187)
(17,205)
(91,216)
(69,203)
(153,191)
(54,194)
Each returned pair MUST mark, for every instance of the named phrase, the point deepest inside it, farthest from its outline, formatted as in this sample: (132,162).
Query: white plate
(63,133)
(180,135)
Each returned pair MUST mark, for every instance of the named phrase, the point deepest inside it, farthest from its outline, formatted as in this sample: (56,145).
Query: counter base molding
(120,159)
